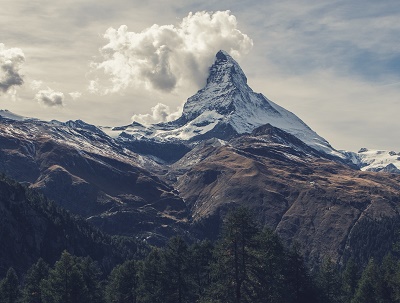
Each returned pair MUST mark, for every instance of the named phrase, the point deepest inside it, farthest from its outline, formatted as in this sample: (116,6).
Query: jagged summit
(227,107)
(227,93)
(226,69)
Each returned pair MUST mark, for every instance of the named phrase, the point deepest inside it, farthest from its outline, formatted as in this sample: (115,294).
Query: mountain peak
(222,55)
(226,70)
(227,107)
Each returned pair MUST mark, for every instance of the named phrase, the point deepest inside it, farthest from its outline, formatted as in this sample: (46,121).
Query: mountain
(290,187)
(225,108)
(375,160)
(92,175)
(230,147)
(6,114)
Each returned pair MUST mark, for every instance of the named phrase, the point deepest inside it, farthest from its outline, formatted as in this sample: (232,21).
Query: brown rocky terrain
(304,197)
(91,177)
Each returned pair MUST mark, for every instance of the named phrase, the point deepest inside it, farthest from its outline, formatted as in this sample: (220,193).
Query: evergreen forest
(246,264)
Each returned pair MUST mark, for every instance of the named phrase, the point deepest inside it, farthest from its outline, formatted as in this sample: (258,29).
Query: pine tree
(234,257)
(199,268)
(122,284)
(298,283)
(38,272)
(267,268)
(91,274)
(389,283)
(176,274)
(350,277)
(9,287)
(65,283)
(151,277)
(368,289)
(329,282)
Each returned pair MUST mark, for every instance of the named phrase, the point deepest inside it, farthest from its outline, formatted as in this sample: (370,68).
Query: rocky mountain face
(230,147)
(291,188)
(90,174)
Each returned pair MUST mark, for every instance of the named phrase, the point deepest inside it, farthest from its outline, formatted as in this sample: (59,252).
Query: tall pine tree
(368,289)
(122,285)
(70,281)
(234,258)
(38,272)
(9,287)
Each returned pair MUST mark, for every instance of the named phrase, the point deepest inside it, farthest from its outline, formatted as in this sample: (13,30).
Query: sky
(335,64)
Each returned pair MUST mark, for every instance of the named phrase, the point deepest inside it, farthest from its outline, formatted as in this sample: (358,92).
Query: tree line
(246,264)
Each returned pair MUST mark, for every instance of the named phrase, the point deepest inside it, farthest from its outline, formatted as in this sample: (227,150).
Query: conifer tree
(151,277)
(350,277)
(65,283)
(389,279)
(234,257)
(298,283)
(91,274)
(267,268)
(176,258)
(329,282)
(9,287)
(368,289)
(199,268)
(123,283)
(38,272)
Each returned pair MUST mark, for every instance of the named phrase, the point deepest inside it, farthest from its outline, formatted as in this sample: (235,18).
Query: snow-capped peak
(226,93)
(375,160)
(225,69)
(226,107)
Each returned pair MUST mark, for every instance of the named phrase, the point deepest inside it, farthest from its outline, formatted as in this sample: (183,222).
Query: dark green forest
(246,264)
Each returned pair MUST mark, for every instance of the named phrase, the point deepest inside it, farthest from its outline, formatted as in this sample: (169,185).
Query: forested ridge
(33,227)
(246,264)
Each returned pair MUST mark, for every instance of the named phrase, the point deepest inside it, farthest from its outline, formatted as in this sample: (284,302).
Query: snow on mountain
(9,115)
(83,137)
(375,160)
(226,106)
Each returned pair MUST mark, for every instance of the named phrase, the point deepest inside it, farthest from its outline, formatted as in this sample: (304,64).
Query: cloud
(11,60)
(75,95)
(159,113)
(164,57)
(36,84)
(50,98)
(94,86)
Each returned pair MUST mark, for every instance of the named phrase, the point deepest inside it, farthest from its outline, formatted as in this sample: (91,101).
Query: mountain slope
(32,227)
(289,186)
(90,174)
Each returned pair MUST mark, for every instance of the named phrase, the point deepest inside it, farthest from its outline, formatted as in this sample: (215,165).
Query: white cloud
(159,113)
(36,84)
(164,57)
(93,86)
(11,61)
(50,97)
(75,95)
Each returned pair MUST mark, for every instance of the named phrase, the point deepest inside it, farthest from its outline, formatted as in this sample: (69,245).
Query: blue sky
(335,64)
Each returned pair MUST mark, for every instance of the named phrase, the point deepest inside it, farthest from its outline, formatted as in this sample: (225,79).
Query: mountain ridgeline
(230,148)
